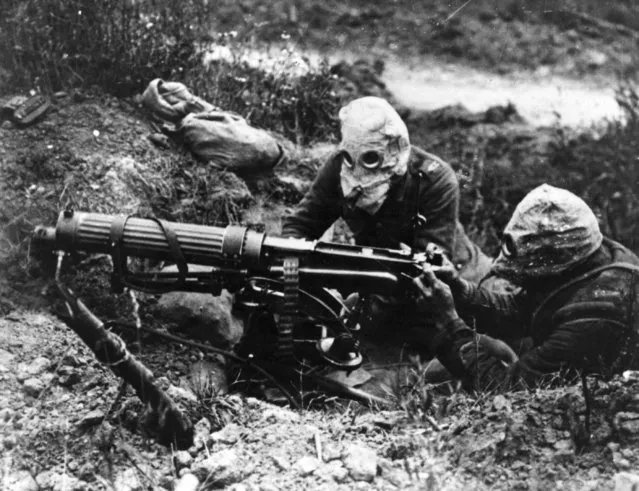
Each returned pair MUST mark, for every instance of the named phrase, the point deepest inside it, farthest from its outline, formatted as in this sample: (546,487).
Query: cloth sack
(171,101)
(226,140)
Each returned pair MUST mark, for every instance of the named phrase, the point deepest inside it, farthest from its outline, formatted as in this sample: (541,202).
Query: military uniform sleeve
(586,344)
(439,205)
(497,313)
(319,208)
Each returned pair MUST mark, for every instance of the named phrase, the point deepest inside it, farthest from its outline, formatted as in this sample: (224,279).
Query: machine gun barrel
(232,246)
(200,244)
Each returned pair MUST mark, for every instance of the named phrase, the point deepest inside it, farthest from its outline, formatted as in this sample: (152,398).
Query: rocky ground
(66,423)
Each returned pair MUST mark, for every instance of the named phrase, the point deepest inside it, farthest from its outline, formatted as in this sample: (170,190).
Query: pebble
(201,433)
(335,470)
(228,435)
(92,418)
(71,360)
(5,415)
(6,360)
(10,441)
(361,462)
(180,394)
(627,422)
(626,481)
(128,480)
(221,468)
(55,481)
(306,465)
(188,482)
(21,481)
(182,459)
(331,452)
(280,415)
(500,403)
(281,461)
(33,386)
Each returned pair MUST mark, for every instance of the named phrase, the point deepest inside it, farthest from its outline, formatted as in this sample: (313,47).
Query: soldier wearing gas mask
(577,309)
(390,194)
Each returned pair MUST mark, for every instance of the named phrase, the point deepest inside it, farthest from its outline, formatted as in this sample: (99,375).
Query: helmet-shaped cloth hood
(550,231)
(371,123)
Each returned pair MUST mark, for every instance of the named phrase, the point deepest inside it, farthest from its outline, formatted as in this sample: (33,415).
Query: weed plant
(121,45)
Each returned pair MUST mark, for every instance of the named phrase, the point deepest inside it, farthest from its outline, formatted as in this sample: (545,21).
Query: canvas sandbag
(227,141)
(172,101)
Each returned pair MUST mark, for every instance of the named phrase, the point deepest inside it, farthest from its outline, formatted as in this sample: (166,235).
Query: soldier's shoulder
(429,165)
(611,283)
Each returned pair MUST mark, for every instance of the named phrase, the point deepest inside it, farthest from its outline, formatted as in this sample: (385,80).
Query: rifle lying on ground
(281,285)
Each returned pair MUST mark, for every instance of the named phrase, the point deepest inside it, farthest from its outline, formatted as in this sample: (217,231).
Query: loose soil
(65,421)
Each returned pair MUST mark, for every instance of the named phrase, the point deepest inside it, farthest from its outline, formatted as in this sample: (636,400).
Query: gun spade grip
(141,237)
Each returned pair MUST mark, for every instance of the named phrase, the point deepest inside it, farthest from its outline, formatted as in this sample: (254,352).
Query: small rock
(128,480)
(594,58)
(619,461)
(5,415)
(21,481)
(92,418)
(626,481)
(10,441)
(182,459)
(160,140)
(331,452)
(500,403)
(188,482)
(33,386)
(39,365)
(87,470)
(6,360)
(563,445)
(69,377)
(281,461)
(630,375)
(306,465)
(180,394)
(361,462)
(55,481)
(627,423)
(228,435)
(71,360)
(335,470)
(280,415)
(201,432)
(221,468)
(205,316)
(25,371)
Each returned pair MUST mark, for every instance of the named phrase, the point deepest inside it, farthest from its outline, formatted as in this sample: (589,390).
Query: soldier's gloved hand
(437,295)
(449,274)
(497,348)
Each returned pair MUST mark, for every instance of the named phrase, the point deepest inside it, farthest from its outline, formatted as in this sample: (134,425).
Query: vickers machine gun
(281,285)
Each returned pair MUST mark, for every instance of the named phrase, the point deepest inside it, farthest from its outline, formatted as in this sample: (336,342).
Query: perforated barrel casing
(201,244)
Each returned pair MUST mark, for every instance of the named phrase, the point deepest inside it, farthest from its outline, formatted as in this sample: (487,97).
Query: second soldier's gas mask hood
(374,149)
